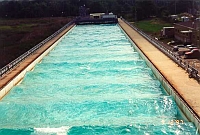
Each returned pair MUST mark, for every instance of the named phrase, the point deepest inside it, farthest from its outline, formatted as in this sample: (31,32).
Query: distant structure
(173,18)
(82,11)
(96,15)
(188,32)
(103,16)
(185,19)
(167,32)
(97,18)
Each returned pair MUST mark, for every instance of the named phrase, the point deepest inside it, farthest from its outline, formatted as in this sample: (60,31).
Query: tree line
(136,9)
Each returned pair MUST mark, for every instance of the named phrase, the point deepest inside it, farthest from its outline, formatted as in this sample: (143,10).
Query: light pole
(193,7)
(175,7)
(198,33)
(135,10)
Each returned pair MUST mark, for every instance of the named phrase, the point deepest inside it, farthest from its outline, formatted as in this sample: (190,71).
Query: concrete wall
(20,76)
(186,110)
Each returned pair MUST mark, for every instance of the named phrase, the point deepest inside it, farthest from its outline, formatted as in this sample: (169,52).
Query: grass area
(152,26)
(22,31)
(5,28)
(19,35)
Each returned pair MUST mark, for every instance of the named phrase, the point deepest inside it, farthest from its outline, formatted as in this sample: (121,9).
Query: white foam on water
(58,131)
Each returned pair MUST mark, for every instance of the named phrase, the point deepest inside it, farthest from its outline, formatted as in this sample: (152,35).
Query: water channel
(92,83)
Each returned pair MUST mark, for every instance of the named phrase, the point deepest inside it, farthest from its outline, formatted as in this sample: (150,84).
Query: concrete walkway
(187,87)
(12,74)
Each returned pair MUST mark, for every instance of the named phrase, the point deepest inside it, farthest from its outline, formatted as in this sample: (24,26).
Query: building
(167,32)
(188,32)
(109,15)
(185,19)
(98,18)
(96,15)
(103,16)
(173,18)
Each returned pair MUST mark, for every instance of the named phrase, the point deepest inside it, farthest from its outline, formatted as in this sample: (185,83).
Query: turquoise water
(92,83)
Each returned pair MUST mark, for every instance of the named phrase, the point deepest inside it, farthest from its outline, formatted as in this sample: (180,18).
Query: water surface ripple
(92,83)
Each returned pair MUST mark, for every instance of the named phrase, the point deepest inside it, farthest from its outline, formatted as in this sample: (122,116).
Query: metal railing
(192,71)
(21,58)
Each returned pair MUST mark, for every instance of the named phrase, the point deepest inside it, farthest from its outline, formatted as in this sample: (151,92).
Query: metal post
(135,10)
(175,6)
(193,7)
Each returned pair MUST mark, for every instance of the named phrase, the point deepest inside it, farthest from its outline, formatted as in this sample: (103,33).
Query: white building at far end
(103,15)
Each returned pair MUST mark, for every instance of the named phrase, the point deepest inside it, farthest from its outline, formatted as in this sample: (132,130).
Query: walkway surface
(12,74)
(187,87)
